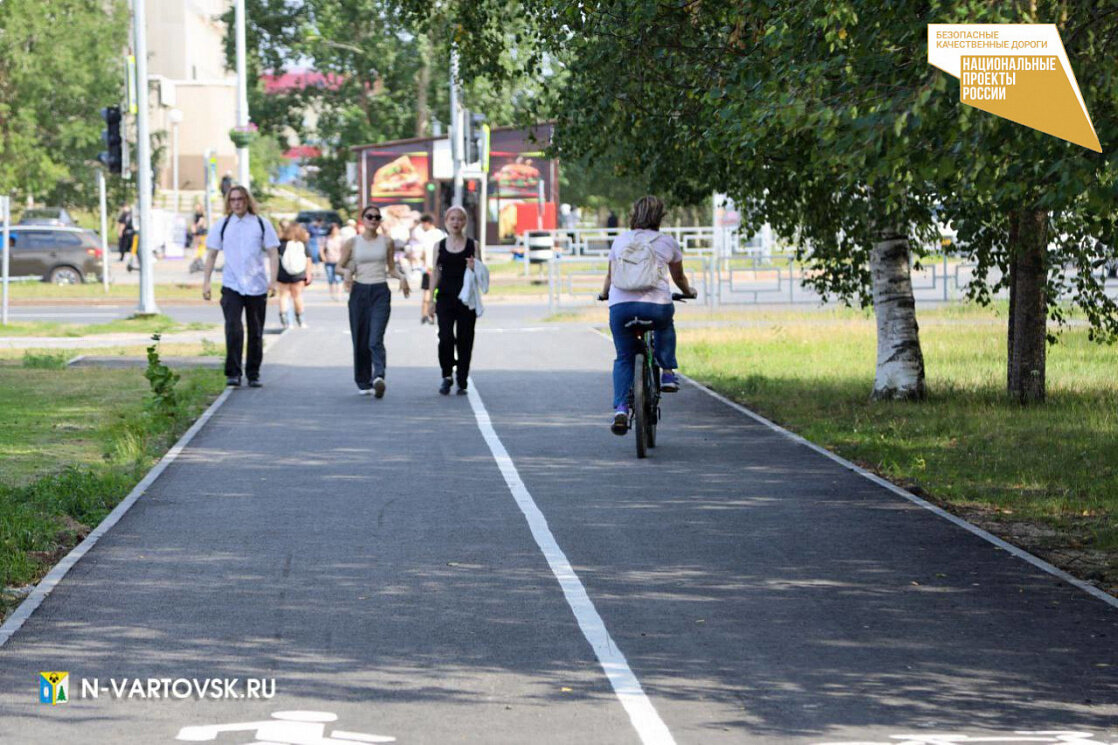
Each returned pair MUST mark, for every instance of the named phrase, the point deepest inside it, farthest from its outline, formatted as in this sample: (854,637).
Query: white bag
(294,259)
(637,267)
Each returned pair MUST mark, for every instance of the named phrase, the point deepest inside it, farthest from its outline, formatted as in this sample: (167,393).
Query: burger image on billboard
(399,178)
(517,179)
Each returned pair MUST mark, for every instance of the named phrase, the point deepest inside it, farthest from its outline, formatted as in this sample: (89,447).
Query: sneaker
(378,387)
(233,382)
(620,423)
(462,392)
(444,387)
(669,382)
(364,391)
(255,383)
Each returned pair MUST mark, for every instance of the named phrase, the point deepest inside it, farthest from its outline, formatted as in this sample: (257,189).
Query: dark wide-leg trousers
(369,309)
(254,307)
(456,334)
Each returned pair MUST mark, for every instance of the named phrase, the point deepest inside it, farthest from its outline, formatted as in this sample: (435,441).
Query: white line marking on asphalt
(47,584)
(650,727)
(990,537)
(284,728)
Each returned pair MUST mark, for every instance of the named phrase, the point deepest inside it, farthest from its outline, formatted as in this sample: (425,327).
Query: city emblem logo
(54,688)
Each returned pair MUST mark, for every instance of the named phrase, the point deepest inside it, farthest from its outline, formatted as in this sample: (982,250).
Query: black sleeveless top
(452,268)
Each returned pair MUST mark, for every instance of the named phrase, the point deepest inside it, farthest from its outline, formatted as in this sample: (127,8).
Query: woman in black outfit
(455,254)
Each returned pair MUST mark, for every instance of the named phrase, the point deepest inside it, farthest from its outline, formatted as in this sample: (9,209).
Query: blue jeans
(331,273)
(625,342)
(369,309)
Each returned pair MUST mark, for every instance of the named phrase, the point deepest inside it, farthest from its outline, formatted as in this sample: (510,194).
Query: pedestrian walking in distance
(456,253)
(294,273)
(251,251)
(367,261)
(331,255)
(429,237)
(125,231)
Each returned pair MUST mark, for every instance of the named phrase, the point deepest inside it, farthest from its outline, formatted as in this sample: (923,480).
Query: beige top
(368,259)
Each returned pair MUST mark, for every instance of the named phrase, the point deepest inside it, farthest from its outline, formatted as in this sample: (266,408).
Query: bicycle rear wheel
(640,406)
(652,386)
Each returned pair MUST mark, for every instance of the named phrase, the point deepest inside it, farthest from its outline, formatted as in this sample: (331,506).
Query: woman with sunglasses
(367,261)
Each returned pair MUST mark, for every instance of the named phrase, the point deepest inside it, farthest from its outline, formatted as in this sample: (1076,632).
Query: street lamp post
(456,140)
(143,165)
(242,92)
(175,117)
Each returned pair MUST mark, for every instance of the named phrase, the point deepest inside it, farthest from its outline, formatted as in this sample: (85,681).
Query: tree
(60,63)
(823,119)
(385,79)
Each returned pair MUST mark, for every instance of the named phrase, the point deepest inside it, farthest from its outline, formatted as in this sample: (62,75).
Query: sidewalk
(372,556)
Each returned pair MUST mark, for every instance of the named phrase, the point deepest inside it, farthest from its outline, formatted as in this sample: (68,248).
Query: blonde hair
(456,208)
(248,199)
(648,211)
(295,232)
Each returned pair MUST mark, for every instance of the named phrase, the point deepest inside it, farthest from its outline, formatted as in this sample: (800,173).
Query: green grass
(56,358)
(146,325)
(95,291)
(73,443)
(1045,477)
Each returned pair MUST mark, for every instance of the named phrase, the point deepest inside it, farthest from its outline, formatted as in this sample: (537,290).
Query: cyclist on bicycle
(651,303)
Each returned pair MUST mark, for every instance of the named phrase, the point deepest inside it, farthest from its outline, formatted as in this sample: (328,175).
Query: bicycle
(644,396)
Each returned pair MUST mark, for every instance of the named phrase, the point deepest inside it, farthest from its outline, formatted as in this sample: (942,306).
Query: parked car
(64,256)
(329,217)
(57,216)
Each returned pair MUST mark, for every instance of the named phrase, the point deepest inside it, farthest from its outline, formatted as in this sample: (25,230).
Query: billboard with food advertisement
(521,192)
(522,183)
(397,175)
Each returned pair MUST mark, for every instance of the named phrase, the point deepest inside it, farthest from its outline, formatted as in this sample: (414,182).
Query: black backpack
(225,224)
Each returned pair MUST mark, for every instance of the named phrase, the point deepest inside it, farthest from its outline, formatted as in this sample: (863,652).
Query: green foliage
(44,360)
(823,119)
(265,160)
(165,400)
(60,63)
(389,77)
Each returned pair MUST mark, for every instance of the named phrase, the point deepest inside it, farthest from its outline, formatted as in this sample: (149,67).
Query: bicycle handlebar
(677,297)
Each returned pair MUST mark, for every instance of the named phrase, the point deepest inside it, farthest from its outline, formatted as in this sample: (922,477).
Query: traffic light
(475,138)
(112,156)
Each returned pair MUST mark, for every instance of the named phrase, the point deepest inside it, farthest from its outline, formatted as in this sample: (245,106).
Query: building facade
(186,71)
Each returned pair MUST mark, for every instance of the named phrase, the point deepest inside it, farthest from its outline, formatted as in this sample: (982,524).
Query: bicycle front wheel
(640,406)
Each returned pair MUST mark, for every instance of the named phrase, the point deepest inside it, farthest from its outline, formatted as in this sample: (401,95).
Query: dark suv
(64,256)
(328,217)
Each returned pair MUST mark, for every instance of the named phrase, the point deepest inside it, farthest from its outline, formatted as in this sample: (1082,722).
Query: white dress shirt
(246,252)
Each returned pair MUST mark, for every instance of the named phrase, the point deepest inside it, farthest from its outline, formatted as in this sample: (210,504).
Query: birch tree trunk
(1028,308)
(900,361)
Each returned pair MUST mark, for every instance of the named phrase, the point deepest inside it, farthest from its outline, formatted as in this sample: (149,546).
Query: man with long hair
(249,277)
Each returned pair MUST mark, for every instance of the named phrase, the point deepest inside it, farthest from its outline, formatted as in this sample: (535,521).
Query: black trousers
(254,307)
(369,309)
(456,334)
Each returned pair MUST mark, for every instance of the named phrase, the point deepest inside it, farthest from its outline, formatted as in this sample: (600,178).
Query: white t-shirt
(429,239)
(665,248)
(246,252)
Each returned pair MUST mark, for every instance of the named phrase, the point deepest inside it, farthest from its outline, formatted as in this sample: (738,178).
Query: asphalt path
(500,568)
